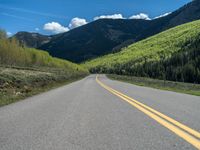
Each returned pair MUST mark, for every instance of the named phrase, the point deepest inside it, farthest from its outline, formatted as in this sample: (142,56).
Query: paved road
(85,116)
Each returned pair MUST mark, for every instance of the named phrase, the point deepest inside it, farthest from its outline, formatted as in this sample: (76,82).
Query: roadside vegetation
(180,87)
(27,71)
(171,55)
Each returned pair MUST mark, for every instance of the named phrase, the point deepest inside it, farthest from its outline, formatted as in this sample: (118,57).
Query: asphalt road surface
(101,114)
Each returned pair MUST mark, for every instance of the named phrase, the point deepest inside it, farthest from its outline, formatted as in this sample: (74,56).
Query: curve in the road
(183,131)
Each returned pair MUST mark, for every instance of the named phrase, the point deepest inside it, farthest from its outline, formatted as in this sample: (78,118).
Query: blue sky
(55,16)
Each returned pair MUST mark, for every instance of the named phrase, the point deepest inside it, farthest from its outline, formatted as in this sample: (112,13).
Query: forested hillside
(12,54)
(171,55)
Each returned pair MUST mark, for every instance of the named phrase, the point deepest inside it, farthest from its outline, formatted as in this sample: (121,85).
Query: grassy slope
(187,88)
(26,71)
(152,49)
(19,83)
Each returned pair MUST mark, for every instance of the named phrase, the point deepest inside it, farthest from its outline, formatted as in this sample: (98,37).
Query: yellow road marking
(182,126)
(173,125)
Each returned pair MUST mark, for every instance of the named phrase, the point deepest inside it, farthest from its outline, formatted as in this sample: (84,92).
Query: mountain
(171,55)
(94,39)
(187,13)
(106,36)
(34,40)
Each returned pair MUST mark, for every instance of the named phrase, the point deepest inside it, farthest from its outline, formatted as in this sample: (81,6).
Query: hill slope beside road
(83,115)
(171,55)
(27,71)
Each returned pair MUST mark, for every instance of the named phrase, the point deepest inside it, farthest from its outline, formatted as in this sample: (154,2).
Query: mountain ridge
(32,39)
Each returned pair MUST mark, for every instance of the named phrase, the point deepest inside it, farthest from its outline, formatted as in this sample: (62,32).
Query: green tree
(3,34)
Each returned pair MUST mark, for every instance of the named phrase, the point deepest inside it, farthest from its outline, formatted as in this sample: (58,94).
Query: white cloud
(77,22)
(9,34)
(115,16)
(55,27)
(140,16)
(163,15)
(37,29)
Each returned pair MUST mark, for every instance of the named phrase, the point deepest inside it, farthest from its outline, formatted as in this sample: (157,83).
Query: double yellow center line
(183,131)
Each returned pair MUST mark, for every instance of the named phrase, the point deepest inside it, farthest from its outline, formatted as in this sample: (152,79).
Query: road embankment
(19,83)
(187,88)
